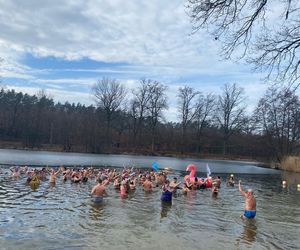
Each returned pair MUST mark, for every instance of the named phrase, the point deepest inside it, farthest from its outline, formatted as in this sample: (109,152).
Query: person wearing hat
(230,181)
(250,203)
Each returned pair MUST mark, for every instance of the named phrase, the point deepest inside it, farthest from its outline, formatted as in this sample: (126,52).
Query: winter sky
(64,47)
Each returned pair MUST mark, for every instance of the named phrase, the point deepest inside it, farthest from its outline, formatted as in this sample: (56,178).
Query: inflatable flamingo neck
(192,173)
(191,168)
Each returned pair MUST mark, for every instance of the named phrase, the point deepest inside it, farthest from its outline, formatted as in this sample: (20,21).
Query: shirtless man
(175,185)
(147,185)
(98,192)
(53,174)
(217,182)
(250,203)
(15,172)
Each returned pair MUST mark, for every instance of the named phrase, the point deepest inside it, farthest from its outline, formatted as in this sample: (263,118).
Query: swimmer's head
(231,175)
(250,191)
(103,177)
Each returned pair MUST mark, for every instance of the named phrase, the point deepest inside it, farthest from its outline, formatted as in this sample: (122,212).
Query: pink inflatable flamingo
(206,182)
(191,176)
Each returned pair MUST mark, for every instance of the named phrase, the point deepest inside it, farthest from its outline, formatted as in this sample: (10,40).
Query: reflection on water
(292,179)
(249,232)
(63,216)
(165,208)
(96,211)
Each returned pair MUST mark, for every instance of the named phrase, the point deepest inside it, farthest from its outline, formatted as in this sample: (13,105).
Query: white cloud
(67,81)
(57,95)
(151,37)
(149,33)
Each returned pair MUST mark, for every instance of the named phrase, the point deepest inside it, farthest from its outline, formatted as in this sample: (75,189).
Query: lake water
(63,217)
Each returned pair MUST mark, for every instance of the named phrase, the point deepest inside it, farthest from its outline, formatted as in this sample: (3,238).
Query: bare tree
(157,103)
(278,118)
(139,106)
(109,94)
(205,107)
(230,111)
(187,109)
(269,38)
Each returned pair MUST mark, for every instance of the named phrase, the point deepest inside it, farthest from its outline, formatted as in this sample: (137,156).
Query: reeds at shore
(291,163)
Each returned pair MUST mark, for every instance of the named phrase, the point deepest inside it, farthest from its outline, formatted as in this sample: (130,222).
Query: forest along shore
(37,122)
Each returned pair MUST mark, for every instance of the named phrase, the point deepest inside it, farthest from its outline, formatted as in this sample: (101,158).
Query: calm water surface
(63,217)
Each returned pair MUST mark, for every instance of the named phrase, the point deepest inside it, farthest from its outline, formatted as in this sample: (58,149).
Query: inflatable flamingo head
(191,167)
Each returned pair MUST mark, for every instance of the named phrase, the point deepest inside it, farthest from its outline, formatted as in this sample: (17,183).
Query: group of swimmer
(127,179)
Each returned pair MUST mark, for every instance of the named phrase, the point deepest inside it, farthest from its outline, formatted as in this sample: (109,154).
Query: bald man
(250,203)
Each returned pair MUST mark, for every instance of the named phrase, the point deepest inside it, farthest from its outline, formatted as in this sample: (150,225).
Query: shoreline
(56,149)
(287,164)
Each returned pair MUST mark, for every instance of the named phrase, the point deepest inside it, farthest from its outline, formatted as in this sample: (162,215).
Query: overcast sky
(65,46)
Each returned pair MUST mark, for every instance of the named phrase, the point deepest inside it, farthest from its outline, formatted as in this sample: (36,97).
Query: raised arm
(57,171)
(241,190)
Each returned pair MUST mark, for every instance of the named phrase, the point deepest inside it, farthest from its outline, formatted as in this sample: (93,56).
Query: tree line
(132,121)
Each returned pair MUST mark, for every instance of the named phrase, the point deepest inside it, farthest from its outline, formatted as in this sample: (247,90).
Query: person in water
(250,203)
(147,185)
(217,182)
(167,192)
(53,174)
(185,189)
(132,182)
(215,190)
(98,192)
(230,181)
(174,184)
(124,188)
(15,171)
